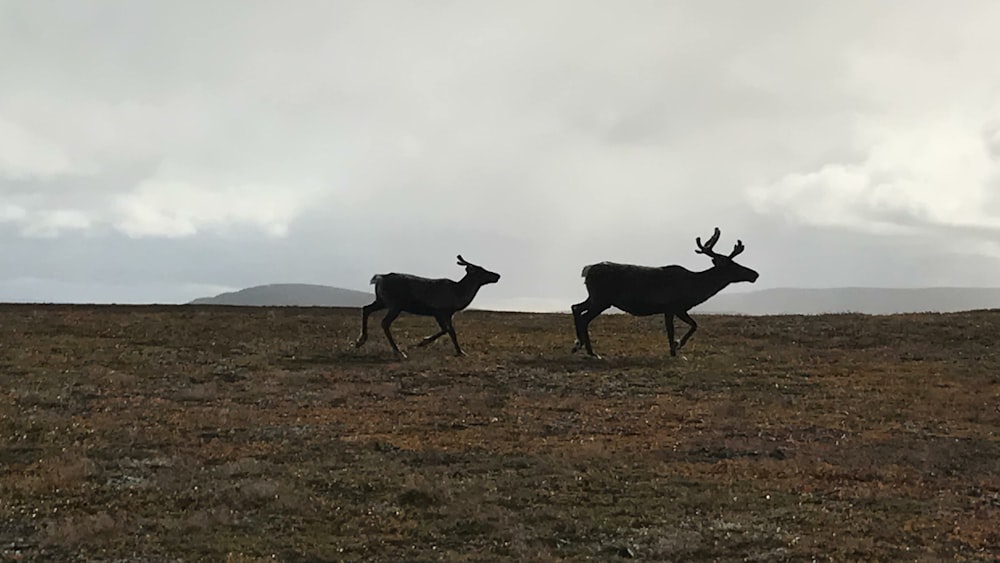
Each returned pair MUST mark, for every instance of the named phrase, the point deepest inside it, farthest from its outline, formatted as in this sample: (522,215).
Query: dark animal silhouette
(668,290)
(438,298)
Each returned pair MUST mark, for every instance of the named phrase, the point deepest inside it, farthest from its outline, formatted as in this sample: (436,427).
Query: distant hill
(870,300)
(290,294)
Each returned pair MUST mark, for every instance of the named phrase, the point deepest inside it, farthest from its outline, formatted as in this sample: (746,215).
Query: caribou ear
(461,261)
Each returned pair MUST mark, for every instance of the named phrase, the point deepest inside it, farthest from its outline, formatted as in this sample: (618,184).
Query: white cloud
(9,213)
(54,222)
(46,223)
(179,209)
(923,146)
(24,155)
(936,173)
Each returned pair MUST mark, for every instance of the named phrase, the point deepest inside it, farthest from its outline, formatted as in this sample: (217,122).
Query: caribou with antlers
(669,290)
(438,298)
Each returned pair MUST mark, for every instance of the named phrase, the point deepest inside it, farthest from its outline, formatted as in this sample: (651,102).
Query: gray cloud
(158,149)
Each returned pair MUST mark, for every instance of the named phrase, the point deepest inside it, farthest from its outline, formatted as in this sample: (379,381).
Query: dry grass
(165,433)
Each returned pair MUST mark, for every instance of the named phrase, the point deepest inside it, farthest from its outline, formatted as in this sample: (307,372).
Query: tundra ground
(241,434)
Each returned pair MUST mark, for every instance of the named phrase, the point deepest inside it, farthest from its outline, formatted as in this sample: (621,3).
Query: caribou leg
(386,323)
(365,311)
(578,310)
(668,322)
(583,326)
(693,327)
(444,330)
(454,339)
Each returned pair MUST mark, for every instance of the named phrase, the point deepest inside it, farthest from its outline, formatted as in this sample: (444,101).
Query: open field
(201,433)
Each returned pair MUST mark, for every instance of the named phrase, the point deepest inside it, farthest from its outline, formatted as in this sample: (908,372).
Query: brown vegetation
(242,434)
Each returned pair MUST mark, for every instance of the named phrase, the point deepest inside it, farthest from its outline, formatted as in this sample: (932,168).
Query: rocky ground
(215,433)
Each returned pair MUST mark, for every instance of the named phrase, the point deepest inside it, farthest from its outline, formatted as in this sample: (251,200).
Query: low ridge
(290,294)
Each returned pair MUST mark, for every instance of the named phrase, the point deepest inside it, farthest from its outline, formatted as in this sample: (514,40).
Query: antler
(737,249)
(462,262)
(707,248)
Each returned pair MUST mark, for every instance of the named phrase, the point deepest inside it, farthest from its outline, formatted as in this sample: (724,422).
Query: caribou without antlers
(668,290)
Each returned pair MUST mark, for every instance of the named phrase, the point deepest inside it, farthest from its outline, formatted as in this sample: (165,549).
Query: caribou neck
(467,289)
(708,283)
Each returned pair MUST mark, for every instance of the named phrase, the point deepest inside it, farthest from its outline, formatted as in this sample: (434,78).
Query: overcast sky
(162,151)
